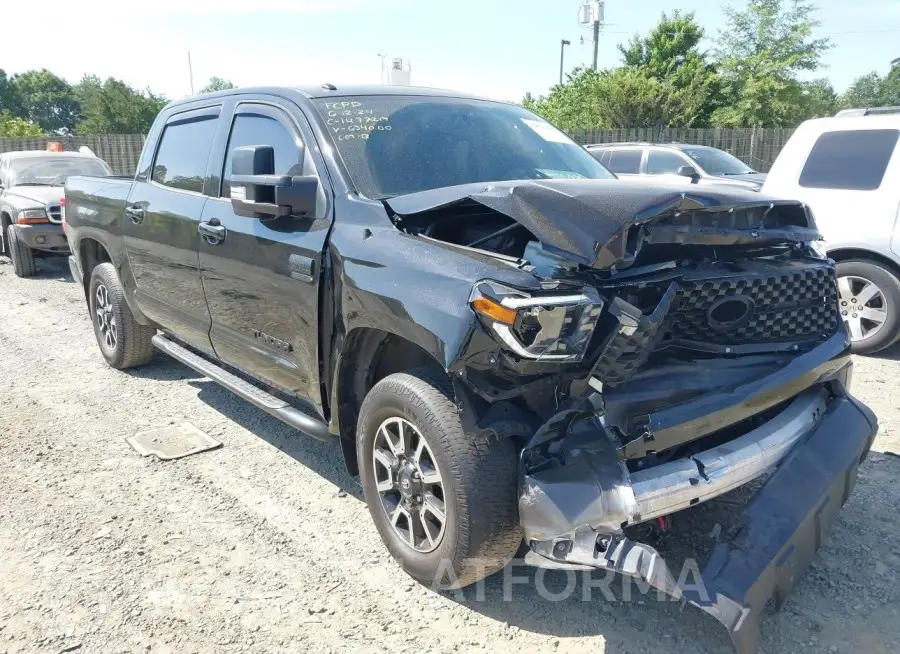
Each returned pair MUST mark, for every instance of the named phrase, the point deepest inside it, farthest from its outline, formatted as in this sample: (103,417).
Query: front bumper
(773,541)
(47,238)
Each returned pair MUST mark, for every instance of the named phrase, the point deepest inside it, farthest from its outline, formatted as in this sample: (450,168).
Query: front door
(161,218)
(261,276)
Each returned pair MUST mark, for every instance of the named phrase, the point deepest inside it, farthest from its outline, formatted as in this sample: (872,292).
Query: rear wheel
(21,255)
(443,502)
(123,342)
(869,302)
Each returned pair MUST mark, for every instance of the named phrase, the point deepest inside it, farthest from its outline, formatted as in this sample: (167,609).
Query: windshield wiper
(35,184)
(746,172)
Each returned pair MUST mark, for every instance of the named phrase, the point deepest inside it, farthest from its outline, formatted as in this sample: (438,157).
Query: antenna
(191,72)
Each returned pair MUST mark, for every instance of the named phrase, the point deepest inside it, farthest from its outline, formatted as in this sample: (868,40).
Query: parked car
(700,163)
(847,169)
(31,185)
(506,341)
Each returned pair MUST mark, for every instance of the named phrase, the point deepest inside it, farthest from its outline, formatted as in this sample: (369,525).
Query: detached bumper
(48,238)
(771,544)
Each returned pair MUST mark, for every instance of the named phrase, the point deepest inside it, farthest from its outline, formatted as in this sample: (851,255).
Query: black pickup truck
(507,341)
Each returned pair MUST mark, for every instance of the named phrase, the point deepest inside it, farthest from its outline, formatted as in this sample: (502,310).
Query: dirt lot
(265,545)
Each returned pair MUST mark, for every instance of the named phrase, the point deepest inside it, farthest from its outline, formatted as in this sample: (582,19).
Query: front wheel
(869,302)
(21,255)
(443,502)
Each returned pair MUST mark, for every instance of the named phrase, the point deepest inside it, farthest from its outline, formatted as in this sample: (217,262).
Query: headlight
(820,248)
(32,216)
(540,327)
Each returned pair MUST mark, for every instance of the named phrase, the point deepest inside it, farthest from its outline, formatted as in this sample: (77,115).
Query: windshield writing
(394,145)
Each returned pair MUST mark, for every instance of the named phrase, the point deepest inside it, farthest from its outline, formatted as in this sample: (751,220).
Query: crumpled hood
(583,220)
(34,196)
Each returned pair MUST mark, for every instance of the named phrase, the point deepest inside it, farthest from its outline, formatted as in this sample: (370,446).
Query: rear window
(853,160)
(182,154)
(627,162)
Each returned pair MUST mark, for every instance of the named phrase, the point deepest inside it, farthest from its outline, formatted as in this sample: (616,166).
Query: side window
(661,162)
(182,154)
(627,162)
(257,129)
(853,160)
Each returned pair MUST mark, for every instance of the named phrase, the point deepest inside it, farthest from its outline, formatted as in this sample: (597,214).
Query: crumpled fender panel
(771,545)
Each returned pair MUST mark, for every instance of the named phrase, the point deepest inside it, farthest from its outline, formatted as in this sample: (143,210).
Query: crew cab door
(160,227)
(261,276)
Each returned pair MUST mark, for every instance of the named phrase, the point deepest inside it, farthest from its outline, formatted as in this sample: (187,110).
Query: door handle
(212,232)
(135,213)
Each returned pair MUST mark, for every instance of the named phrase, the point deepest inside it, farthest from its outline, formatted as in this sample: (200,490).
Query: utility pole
(562,51)
(191,72)
(382,66)
(596,38)
(591,14)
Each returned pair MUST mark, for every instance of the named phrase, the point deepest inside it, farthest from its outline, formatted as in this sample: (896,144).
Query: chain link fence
(120,151)
(757,147)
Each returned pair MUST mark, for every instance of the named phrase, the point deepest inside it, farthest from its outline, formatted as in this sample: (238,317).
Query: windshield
(718,162)
(54,170)
(394,145)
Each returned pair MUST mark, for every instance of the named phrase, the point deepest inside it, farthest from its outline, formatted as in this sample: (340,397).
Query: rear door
(262,276)
(161,218)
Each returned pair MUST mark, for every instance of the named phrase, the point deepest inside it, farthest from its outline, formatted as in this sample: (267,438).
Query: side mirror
(256,192)
(688,171)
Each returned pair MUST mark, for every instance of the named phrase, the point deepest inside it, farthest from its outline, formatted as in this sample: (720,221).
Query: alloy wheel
(409,484)
(106,318)
(862,305)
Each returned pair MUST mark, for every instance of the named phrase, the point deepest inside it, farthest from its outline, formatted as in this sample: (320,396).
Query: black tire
(131,345)
(889,285)
(481,532)
(21,255)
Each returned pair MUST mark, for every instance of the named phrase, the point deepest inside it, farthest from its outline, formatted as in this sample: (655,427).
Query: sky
(494,48)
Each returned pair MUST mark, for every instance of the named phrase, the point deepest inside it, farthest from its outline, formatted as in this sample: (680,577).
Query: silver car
(701,163)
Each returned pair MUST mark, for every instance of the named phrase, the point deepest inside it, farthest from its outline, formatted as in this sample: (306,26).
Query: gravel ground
(265,545)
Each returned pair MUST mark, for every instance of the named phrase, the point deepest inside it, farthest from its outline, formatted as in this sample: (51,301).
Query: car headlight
(820,248)
(31,214)
(553,327)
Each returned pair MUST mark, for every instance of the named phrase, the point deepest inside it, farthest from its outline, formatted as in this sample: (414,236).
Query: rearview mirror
(688,171)
(256,192)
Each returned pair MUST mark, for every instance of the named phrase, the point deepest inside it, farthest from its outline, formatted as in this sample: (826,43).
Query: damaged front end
(683,344)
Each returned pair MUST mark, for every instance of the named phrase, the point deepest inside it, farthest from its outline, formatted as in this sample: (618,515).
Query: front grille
(54,213)
(797,303)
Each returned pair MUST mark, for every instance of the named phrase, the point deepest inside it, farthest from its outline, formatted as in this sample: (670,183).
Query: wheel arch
(369,355)
(91,253)
(851,253)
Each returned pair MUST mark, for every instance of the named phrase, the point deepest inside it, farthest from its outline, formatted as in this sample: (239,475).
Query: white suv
(847,169)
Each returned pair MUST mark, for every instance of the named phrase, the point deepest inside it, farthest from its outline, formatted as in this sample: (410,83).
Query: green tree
(217,84)
(48,100)
(665,80)
(113,107)
(818,99)
(865,91)
(762,51)
(671,54)
(13,126)
(9,100)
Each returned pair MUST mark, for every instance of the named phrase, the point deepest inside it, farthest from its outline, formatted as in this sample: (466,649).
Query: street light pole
(562,51)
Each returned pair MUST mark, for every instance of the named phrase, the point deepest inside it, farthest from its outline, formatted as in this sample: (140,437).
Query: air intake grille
(800,304)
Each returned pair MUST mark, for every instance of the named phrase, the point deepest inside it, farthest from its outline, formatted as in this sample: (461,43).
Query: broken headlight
(555,327)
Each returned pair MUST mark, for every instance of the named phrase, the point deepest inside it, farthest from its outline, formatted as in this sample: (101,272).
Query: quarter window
(183,153)
(257,129)
(853,160)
